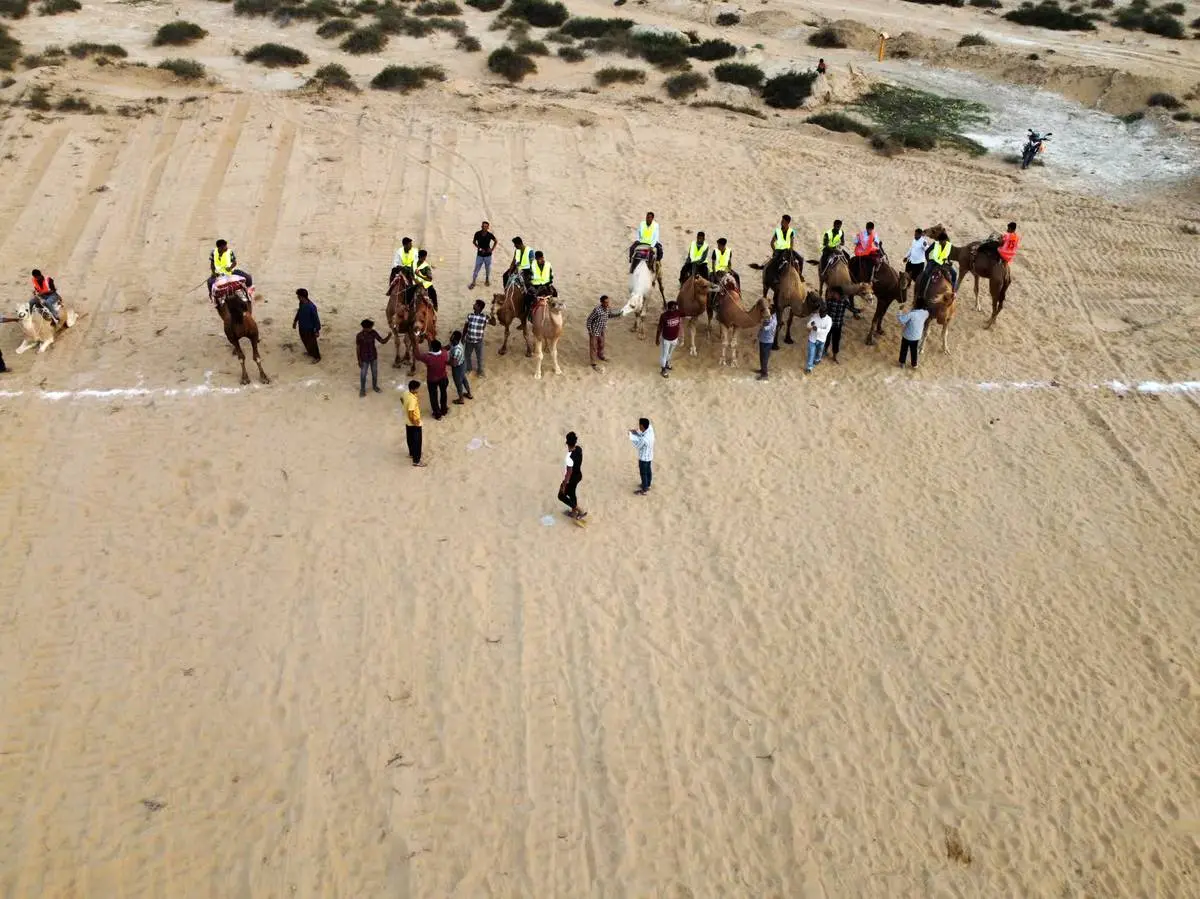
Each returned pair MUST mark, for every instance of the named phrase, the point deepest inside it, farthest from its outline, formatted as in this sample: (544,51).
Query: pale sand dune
(861,617)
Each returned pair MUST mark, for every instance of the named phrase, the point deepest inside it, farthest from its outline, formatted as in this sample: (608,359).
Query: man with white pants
(670,326)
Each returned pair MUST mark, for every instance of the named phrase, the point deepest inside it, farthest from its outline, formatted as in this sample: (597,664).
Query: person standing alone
(308,323)
(670,326)
(572,475)
(368,355)
(642,437)
(411,401)
(597,323)
(484,241)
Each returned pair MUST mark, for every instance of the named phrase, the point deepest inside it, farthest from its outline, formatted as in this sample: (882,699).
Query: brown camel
(838,273)
(546,322)
(889,286)
(696,298)
(986,264)
(942,303)
(509,307)
(733,318)
(239,323)
(793,297)
(410,324)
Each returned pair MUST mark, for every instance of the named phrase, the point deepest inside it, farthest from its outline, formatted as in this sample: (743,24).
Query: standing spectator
(458,368)
(411,401)
(914,329)
(642,438)
(597,323)
(572,475)
(914,262)
(473,337)
(820,323)
(436,361)
(484,241)
(309,324)
(368,355)
(836,304)
(670,325)
(766,337)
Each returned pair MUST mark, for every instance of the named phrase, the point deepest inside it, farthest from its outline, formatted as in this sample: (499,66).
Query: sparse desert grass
(743,73)
(183,69)
(178,34)
(333,76)
(684,85)
(510,65)
(276,56)
(407,78)
(614,75)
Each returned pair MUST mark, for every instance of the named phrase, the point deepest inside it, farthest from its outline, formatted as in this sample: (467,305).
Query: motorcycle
(1034,145)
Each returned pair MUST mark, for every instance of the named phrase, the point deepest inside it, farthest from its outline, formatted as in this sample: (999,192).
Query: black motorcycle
(1033,146)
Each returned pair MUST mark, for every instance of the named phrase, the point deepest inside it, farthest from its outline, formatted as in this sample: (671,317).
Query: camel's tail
(758,266)
(1004,287)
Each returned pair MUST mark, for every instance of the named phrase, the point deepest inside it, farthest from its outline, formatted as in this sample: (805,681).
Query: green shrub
(76,104)
(1196,23)
(39,99)
(973,40)
(1166,101)
(557,37)
(571,54)
(394,20)
(84,49)
(468,44)
(1131,118)
(1048,14)
(955,3)
(10,50)
(406,78)
(255,7)
(742,73)
(684,84)
(789,90)
(485,5)
(314,10)
(333,76)
(532,48)
(728,107)
(370,39)
(276,56)
(727,19)
(612,75)
(1103,4)
(538,13)
(335,27)
(1184,116)
(1151,21)
(838,121)
(437,8)
(920,120)
(995,4)
(1173,9)
(179,34)
(367,7)
(588,26)
(508,63)
(664,51)
(712,50)
(185,69)
(56,7)
(827,38)
(439,23)
(14,9)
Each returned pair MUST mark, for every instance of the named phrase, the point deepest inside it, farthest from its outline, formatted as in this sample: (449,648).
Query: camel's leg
(537,367)
(733,347)
(398,339)
(724,345)
(257,361)
(945,332)
(46,344)
(692,335)
(554,355)
(526,327)
(978,306)
(26,344)
(504,346)
(237,349)
(787,337)
(410,353)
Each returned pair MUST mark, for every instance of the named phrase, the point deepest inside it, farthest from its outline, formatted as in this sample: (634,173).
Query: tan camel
(695,299)
(40,330)
(986,264)
(239,323)
(942,302)
(546,322)
(889,286)
(734,318)
(837,274)
(410,324)
(793,297)
(509,307)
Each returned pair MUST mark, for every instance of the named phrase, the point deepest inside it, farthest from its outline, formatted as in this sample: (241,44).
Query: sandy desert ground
(873,634)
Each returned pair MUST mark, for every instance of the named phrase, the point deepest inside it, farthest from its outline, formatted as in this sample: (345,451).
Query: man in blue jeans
(484,241)
(642,437)
(473,337)
(766,337)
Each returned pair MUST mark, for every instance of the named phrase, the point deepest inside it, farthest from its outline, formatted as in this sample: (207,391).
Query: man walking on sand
(597,323)
(473,337)
(670,326)
(411,401)
(642,437)
(484,241)
(308,323)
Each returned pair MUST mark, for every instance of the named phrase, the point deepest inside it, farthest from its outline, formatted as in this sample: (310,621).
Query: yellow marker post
(883,36)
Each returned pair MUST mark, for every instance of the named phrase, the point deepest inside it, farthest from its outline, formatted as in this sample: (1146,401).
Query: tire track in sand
(19,201)
(201,218)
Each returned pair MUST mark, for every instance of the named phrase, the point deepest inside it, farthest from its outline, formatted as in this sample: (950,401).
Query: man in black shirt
(484,241)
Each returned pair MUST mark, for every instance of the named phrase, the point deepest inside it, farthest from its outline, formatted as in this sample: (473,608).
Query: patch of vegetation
(1048,14)
(10,50)
(7,82)
(185,69)
(276,56)
(1196,23)
(1166,101)
(14,9)
(393,20)
(1103,4)
(38,60)
(728,107)
(589,26)
(57,7)
(991,4)
(370,39)
(1173,9)
(743,73)
(973,40)
(840,122)
(919,120)
(1184,116)
(538,13)
(335,27)
(255,7)
(178,34)
(511,65)
(728,19)
(663,51)
(712,50)
(407,78)
(468,44)
(612,75)
(333,76)
(39,99)
(78,104)
(1152,21)
(438,23)
(1131,118)
(826,38)
(484,5)
(789,90)
(437,8)
(954,3)
(532,48)
(684,84)
(557,37)
(571,54)
(84,49)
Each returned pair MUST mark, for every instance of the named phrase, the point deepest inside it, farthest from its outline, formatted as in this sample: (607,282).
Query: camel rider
(783,243)
(939,254)
(697,261)
(1006,246)
(541,281)
(423,275)
(867,247)
(647,236)
(918,254)
(521,262)
(45,294)
(405,260)
(722,261)
(222,262)
(831,242)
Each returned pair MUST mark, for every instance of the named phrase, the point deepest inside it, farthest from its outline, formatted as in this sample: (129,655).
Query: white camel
(39,330)
(641,283)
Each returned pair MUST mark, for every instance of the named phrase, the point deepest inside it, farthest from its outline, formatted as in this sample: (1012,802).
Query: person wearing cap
(597,323)
(521,263)
(722,261)
(308,323)
(222,262)
(404,260)
(368,355)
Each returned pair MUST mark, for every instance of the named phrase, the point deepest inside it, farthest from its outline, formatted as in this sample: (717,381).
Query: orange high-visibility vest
(42,288)
(1008,246)
(867,248)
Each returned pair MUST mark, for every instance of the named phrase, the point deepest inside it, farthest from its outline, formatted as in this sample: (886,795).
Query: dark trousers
(437,396)
(566,494)
(907,347)
(3,367)
(363,368)
(764,357)
(915,270)
(309,339)
(834,342)
(461,385)
(412,436)
(690,269)
(645,469)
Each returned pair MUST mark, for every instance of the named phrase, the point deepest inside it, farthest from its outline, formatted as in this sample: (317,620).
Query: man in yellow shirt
(412,422)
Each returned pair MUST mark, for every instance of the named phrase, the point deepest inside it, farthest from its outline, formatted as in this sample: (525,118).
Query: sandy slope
(863,616)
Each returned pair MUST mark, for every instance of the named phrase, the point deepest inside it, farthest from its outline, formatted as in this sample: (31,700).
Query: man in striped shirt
(597,322)
(473,337)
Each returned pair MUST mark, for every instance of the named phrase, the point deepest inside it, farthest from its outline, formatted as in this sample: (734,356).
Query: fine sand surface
(873,633)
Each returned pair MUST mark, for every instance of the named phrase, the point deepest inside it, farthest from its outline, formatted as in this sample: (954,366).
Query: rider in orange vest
(45,294)
(1005,246)
(866,246)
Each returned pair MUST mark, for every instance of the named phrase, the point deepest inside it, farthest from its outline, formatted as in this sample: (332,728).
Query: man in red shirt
(436,361)
(670,326)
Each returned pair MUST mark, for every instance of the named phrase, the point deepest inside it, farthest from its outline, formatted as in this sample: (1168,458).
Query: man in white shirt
(819,325)
(914,262)
(647,235)
(642,437)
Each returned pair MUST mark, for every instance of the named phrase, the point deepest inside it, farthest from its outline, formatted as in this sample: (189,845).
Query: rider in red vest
(867,246)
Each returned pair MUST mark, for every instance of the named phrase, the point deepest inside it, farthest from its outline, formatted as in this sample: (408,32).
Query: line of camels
(412,323)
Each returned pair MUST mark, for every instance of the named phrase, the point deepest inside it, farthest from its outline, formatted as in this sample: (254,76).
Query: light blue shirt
(644,441)
(766,334)
(914,323)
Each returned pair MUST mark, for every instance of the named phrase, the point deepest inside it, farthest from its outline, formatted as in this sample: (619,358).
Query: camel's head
(22,311)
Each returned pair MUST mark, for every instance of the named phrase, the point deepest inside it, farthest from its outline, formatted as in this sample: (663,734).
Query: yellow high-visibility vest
(521,258)
(832,240)
(784,241)
(646,234)
(697,254)
(721,260)
(424,275)
(223,262)
(539,275)
(408,258)
(940,254)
